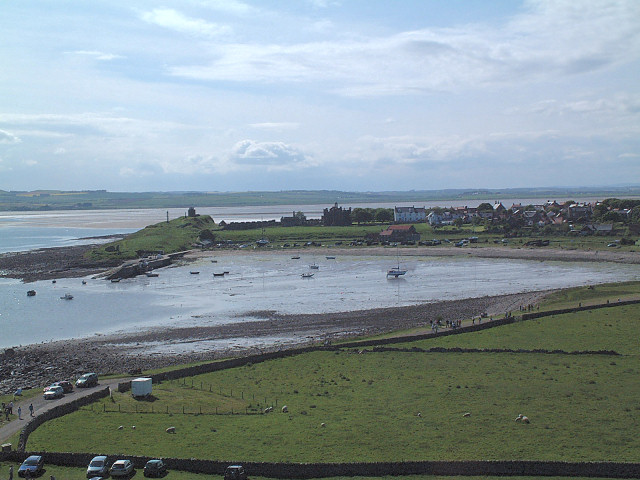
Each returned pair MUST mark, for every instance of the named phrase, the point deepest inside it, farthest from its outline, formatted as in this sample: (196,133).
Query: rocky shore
(40,364)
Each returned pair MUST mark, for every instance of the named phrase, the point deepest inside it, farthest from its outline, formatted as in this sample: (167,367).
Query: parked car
(97,467)
(155,468)
(121,468)
(66,386)
(87,380)
(33,464)
(235,472)
(54,391)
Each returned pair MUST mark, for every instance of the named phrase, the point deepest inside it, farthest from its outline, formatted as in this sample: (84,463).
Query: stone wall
(322,470)
(58,411)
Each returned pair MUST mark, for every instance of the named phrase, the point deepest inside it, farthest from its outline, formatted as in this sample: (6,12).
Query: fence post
(243,395)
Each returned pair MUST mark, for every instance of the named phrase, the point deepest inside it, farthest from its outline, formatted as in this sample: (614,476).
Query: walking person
(19,413)
(10,408)
(11,472)
(31,409)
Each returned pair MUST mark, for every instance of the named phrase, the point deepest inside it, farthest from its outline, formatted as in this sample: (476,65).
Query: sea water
(269,282)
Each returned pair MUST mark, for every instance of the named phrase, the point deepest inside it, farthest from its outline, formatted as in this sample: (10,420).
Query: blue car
(33,464)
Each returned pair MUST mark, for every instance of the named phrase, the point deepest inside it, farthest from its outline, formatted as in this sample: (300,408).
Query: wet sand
(39,364)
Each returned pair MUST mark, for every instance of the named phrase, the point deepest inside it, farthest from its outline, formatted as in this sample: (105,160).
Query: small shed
(141,387)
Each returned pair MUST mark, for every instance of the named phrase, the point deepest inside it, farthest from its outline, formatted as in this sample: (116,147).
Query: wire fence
(152,404)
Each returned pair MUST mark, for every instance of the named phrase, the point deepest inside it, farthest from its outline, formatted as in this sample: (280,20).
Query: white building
(409,214)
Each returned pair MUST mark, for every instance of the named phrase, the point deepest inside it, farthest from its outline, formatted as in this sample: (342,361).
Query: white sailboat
(396,272)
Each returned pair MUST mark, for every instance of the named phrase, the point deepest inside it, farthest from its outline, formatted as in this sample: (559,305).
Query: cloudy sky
(228,95)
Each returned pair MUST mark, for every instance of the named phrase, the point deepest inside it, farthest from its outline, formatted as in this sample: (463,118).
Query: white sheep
(419,414)
(519,418)
(285,409)
(133,427)
(121,427)
(467,414)
(171,430)
(525,419)
(323,425)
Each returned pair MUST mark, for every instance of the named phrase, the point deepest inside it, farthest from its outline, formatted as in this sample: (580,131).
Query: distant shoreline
(71,262)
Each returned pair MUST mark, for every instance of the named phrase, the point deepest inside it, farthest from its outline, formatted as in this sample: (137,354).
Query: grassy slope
(582,407)
(173,236)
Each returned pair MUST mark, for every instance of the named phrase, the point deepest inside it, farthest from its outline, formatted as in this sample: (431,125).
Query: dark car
(33,464)
(87,380)
(155,468)
(235,472)
(98,467)
(66,386)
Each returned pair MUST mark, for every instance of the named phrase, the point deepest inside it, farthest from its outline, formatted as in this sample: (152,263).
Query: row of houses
(548,213)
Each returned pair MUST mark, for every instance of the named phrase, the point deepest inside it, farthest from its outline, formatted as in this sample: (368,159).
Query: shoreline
(39,364)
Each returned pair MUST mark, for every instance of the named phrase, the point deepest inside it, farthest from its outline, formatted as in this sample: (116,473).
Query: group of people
(7,409)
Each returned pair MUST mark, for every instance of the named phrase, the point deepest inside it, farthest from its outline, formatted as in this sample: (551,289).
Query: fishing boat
(396,272)
(330,258)
(307,275)
(264,241)
(115,280)
(66,296)
(84,282)
(194,272)
(314,266)
(151,274)
(221,274)
(297,257)
(31,293)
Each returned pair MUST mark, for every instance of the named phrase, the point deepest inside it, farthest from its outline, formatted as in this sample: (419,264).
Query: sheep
(519,418)
(268,410)
(285,409)
(121,427)
(419,414)
(133,427)
(525,419)
(467,414)
(171,430)
(323,425)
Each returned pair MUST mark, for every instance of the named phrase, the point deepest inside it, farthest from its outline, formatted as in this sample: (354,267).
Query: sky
(358,95)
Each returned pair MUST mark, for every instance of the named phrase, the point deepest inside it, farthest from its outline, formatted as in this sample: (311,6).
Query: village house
(399,234)
(409,214)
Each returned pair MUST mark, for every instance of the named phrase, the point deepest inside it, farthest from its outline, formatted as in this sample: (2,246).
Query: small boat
(53,281)
(194,272)
(214,261)
(115,280)
(313,266)
(295,258)
(84,282)
(31,293)
(307,275)
(221,274)
(225,272)
(151,274)
(396,272)
(67,296)
(330,258)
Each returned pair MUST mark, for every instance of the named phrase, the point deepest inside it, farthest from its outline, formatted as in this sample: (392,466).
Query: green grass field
(582,407)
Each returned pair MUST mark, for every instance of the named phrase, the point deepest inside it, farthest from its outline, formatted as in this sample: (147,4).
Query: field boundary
(377,469)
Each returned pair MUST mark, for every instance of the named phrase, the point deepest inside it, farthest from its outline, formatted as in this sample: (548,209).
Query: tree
(485,207)
(384,215)
(361,215)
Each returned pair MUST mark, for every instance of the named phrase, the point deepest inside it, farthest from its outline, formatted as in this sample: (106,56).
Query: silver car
(121,468)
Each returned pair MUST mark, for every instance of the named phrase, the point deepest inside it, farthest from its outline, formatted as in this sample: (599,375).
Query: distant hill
(102,199)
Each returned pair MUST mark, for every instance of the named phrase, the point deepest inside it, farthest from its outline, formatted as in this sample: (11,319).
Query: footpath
(40,405)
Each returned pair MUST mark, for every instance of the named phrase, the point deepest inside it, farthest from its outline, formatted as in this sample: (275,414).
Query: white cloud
(96,54)
(272,155)
(6,137)
(548,39)
(275,125)
(174,20)
(229,6)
